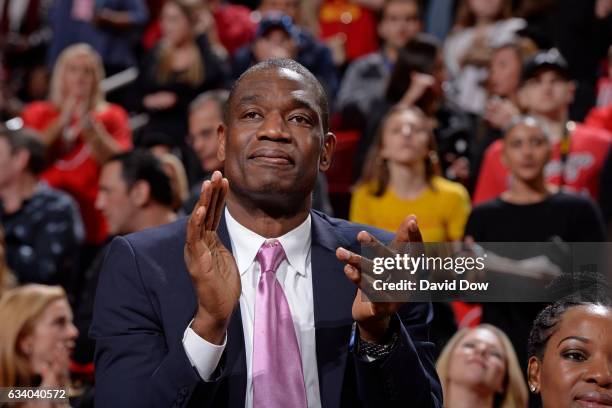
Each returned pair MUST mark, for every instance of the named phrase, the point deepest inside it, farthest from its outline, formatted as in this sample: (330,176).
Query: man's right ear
(221,138)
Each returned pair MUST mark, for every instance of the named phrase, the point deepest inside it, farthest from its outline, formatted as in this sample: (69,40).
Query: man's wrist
(210,329)
(375,350)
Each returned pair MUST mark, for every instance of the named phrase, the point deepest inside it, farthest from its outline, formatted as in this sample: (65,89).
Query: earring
(532,387)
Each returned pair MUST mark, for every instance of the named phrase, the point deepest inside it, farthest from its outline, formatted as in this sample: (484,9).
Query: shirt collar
(246,243)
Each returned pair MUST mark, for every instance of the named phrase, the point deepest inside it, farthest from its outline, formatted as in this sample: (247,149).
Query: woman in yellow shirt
(400,178)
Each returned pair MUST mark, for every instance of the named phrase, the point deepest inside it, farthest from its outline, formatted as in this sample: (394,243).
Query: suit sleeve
(408,375)
(134,365)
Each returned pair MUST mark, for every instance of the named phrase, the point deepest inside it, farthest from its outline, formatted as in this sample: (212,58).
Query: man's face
(504,72)
(547,93)
(273,144)
(400,23)
(203,124)
(114,200)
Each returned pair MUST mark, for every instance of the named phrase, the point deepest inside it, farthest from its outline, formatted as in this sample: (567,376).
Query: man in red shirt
(578,150)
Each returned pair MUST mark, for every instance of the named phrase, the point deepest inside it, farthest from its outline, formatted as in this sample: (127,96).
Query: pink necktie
(278,379)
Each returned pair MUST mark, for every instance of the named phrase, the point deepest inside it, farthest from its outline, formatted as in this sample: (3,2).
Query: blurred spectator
(417,80)
(479,368)
(111,27)
(549,213)
(530,210)
(570,353)
(366,78)
(37,337)
(181,65)
(581,31)
(401,178)
(278,37)
(7,279)
(480,26)
(502,105)
(578,150)
(205,117)
(24,37)
(135,193)
(227,25)
(81,131)
(43,228)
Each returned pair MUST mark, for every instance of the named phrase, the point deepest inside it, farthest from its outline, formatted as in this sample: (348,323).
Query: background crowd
(491,120)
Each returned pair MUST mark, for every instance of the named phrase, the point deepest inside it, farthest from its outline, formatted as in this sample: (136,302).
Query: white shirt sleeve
(202,355)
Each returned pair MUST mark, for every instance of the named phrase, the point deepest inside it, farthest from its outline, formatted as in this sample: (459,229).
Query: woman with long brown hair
(401,177)
(178,68)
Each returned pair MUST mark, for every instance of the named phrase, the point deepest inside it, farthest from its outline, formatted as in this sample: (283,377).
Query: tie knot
(270,256)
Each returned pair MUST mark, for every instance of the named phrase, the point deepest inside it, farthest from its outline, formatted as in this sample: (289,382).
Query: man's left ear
(140,193)
(329,145)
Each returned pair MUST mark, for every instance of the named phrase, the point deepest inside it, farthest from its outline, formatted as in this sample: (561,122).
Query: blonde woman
(81,131)
(478,368)
(37,337)
(180,66)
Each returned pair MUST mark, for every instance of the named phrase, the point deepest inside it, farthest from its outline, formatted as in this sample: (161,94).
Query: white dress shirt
(295,277)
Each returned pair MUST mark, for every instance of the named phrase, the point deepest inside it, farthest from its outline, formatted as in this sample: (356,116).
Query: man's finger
(215,181)
(408,231)
(220,203)
(194,225)
(377,247)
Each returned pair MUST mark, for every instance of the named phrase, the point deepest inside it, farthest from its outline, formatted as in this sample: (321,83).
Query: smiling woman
(570,354)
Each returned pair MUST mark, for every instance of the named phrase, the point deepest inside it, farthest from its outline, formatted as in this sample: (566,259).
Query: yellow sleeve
(359,211)
(458,212)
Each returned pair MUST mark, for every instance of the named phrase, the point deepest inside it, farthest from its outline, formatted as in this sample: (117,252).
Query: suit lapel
(333,296)
(235,352)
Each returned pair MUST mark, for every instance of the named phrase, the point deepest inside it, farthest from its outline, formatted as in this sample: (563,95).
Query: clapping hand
(211,266)
(373,317)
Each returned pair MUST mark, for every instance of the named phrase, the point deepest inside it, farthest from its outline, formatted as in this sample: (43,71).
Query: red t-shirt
(588,149)
(77,172)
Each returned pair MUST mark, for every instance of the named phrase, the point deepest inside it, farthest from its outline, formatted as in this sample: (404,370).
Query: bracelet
(375,350)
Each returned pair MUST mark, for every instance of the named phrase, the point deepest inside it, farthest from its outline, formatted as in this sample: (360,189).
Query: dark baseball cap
(550,59)
(277,20)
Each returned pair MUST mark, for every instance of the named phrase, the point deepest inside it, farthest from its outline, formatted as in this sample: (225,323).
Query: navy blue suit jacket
(146,299)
